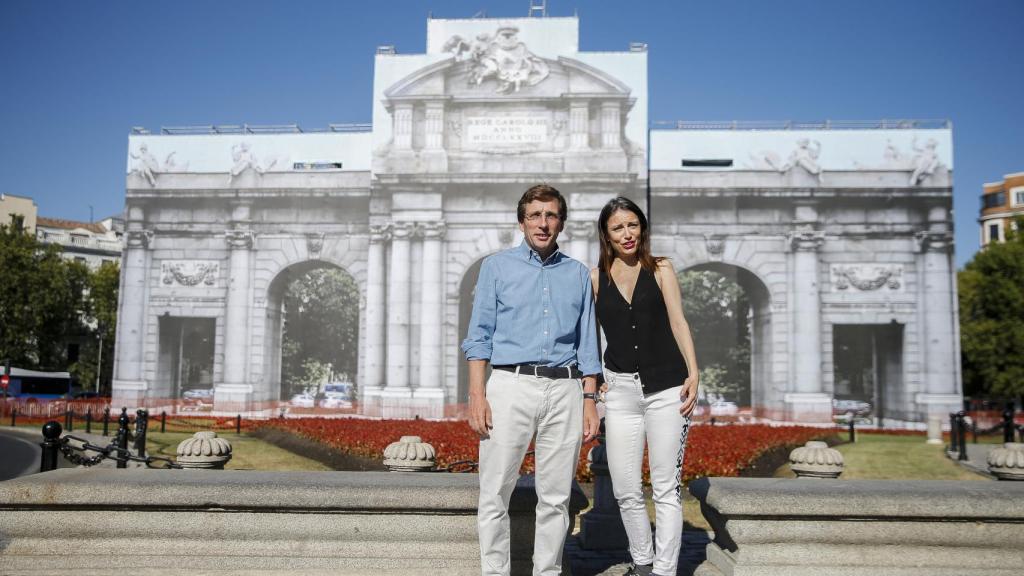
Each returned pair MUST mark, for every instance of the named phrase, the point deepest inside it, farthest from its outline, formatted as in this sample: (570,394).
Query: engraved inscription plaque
(505,132)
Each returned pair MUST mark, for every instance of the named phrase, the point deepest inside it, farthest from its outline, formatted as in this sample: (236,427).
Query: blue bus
(33,384)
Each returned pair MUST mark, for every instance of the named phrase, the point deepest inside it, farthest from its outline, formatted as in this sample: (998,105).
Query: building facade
(91,243)
(1001,203)
(839,234)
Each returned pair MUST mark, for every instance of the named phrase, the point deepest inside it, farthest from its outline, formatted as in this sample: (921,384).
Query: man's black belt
(552,372)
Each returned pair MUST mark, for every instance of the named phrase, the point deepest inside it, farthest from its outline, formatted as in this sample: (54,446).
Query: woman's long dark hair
(643,244)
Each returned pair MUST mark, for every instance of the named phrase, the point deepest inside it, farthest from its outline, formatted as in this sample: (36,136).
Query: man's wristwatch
(590,396)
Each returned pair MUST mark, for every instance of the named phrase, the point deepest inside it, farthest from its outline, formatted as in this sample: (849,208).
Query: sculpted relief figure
(244,160)
(925,162)
(805,156)
(147,165)
(502,57)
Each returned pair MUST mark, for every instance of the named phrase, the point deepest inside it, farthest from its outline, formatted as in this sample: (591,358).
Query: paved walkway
(615,562)
(977,458)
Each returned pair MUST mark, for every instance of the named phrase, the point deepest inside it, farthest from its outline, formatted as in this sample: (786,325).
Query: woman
(651,382)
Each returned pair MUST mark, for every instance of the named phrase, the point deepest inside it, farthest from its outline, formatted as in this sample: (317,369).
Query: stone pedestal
(813,407)
(204,451)
(934,429)
(601,528)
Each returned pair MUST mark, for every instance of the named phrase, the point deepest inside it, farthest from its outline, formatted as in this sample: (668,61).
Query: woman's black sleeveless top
(639,334)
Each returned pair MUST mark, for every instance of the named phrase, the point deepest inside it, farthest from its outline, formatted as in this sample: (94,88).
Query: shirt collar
(529,254)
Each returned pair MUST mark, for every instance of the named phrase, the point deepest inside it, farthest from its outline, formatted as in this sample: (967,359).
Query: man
(533,320)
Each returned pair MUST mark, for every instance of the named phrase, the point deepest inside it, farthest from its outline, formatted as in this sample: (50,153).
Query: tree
(717,309)
(42,301)
(101,326)
(991,290)
(321,327)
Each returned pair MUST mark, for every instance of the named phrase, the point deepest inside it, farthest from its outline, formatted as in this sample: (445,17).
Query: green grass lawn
(881,457)
(247,453)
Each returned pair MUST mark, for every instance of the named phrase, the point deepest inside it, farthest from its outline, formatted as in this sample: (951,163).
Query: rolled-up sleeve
(479,342)
(587,356)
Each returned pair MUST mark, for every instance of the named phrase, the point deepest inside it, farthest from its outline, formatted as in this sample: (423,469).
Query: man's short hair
(544,193)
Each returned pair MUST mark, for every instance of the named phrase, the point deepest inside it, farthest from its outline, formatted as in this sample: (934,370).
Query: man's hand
(480,416)
(591,422)
(689,394)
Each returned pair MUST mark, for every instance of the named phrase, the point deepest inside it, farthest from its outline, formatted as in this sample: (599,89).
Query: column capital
(580,229)
(931,241)
(380,233)
(432,230)
(805,240)
(402,230)
(138,238)
(239,239)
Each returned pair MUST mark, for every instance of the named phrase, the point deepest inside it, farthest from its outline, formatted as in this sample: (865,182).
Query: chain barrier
(111,451)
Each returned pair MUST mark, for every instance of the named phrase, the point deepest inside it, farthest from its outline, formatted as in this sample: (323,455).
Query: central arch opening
(313,351)
(729,313)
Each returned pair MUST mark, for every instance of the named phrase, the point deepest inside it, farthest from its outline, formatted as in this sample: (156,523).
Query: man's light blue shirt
(528,311)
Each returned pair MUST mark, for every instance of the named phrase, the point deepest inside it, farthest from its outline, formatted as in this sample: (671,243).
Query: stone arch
(274,292)
(760,325)
(465,254)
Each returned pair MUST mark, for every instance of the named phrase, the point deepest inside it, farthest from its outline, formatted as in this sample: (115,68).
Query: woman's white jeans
(630,419)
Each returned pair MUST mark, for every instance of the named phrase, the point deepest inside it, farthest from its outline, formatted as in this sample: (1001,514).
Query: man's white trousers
(523,406)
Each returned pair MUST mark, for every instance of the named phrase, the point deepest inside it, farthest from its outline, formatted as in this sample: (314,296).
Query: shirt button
(635,347)
(634,326)
(545,332)
(545,310)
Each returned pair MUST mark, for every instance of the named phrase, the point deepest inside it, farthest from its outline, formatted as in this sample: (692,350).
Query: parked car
(335,400)
(302,400)
(198,394)
(724,408)
(848,408)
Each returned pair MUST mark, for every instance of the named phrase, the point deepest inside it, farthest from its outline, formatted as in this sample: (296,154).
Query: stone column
(376,293)
(806,401)
(580,235)
(403,126)
(430,393)
(397,385)
(434,125)
(940,394)
(235,392)
(579,125)
(128,386)
(611,125)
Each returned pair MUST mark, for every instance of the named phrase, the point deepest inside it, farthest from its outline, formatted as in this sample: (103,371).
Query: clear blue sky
(77,75)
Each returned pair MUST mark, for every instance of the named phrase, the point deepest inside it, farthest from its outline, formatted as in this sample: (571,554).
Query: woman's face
(623,230)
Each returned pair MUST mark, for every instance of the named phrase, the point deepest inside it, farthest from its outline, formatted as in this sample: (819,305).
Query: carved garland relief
(190,273)
(866,277)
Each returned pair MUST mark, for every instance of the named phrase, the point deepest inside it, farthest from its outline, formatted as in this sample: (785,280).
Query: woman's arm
(669,283)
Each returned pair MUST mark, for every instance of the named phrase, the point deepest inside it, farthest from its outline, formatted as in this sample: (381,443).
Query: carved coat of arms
(500,56)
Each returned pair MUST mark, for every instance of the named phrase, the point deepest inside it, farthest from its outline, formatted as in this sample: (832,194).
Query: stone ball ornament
(204,450)
(1007,462)
(410,454)
(816,460)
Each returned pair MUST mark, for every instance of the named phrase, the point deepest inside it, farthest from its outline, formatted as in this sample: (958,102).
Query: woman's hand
(688,394)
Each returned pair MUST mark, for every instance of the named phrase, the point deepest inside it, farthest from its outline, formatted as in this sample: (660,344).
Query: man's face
(541,226)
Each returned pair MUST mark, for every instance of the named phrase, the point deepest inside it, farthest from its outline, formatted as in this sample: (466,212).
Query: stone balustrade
(89,521)
(776,527)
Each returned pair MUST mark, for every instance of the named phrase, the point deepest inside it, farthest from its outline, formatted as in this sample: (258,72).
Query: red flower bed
(710,451)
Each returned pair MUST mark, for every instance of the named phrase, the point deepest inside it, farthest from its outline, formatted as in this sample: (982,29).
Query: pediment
(452,79)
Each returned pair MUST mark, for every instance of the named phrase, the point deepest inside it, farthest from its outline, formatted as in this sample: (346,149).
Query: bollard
(67,420)
(962,434)
(14,416)
(238,424)
(953,442)
(51,445)
(853,432)
(88,421)
(163,421)
(106,420)
(141,424)
(1008,423)
(974,431)
(122,438)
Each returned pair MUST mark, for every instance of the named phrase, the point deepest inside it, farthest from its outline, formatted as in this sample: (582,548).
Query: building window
(994,230)
(1017,194)
(994,200)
